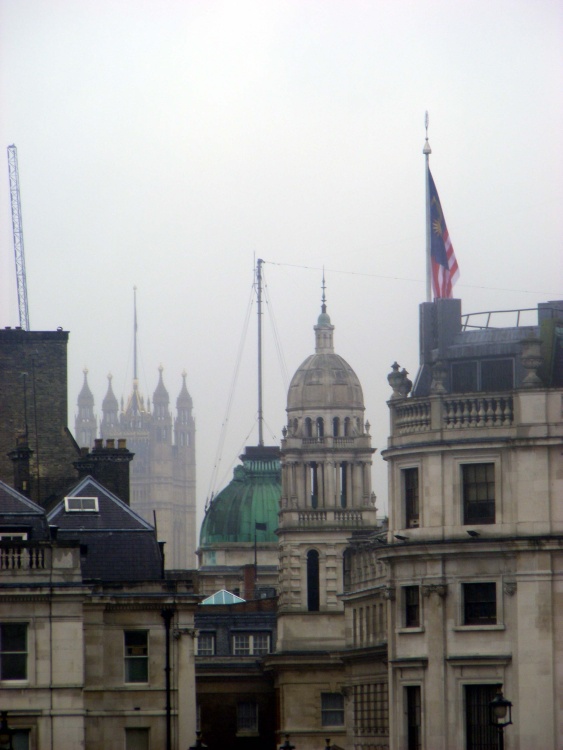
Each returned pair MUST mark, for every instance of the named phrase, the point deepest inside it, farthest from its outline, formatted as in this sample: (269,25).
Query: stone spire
(85,423)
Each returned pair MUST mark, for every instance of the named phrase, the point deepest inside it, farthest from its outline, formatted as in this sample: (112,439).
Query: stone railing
(21,557)
(479,411)
(330,517)
(413,416)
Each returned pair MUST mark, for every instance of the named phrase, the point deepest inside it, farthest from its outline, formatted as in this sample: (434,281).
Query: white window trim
(70,500)
(210,635)
(251,637)
(400,495)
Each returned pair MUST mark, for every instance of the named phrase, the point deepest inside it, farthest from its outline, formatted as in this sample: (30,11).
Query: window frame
(82,509)
(412,519)
(130,659)
(466,487)
(490,621)
(14,652)
(413,707)
(253,718)
(326,710)
(252,650)
(490,741)
(410,607)
(212,649)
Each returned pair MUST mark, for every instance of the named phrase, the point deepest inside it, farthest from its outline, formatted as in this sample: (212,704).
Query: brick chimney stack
(108,465)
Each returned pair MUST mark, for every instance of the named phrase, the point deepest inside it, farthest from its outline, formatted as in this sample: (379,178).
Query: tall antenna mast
(259,307)
(427,151)
(13,174)
(135,333)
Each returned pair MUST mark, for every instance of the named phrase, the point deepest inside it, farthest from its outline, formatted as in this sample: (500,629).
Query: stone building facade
(96,647)
(470,570)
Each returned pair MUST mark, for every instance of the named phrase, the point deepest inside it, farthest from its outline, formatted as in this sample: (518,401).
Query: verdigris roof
(223,597)
(251,497)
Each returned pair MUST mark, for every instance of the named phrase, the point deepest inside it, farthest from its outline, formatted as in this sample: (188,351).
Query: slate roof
(18,512)
(119,544)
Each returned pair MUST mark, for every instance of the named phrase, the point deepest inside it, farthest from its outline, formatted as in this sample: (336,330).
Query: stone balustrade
(452,413)
(21,557)
(344,517)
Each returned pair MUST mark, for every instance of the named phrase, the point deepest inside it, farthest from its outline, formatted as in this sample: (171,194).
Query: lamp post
(6,734)
(287,744)
(500,715)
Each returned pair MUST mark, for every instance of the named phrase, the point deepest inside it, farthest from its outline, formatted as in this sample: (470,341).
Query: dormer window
(81,504)
(475,376)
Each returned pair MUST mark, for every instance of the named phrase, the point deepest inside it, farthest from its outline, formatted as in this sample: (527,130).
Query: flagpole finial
(323,298)
(426,150)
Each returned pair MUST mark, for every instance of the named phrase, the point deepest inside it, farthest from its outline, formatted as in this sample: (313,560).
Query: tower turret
(326,492)
(85,423)
(110,409)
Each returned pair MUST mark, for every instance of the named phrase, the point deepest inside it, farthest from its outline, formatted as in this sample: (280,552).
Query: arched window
(320,427)
(314,478)
(335,427)
(313,581)
(308,427)
(347,427)
(343,484)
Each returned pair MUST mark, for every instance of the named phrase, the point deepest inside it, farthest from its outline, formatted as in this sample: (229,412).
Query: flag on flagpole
(445,271)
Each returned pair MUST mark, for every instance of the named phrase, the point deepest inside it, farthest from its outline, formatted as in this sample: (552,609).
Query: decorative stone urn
(532,360)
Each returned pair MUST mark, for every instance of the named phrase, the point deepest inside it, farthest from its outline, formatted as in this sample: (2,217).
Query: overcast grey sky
(166,144)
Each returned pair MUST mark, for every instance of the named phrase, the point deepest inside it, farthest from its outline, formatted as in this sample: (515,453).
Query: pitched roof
(223,597)
(119,544)
(18,511)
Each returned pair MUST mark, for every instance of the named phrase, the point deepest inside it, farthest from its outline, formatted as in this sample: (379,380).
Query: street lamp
(500,715)
(6,733)
(287,744)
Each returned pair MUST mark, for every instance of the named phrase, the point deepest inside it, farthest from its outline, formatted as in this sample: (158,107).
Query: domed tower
(85,423)
(326,494)
(239,528)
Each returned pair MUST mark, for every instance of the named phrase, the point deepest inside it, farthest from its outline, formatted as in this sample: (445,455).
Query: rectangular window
(20,739)
(332,709)
(464,377)
(414,717)
(497,375)
(137,739)
(480,603)
(206,644)
(13,536)
(251,644)
(480,735)
(136,655)
(13,651)
(412,606)
(247,717)
(478,485)
(410,497)
(88,504)
(371,708)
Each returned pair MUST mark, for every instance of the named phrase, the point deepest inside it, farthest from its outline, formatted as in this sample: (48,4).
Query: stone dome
(324,380)
(251,497)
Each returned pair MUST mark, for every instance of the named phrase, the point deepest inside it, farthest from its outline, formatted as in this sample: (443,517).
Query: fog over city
(168,144)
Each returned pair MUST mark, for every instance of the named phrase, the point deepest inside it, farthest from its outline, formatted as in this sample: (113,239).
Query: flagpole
(427,151)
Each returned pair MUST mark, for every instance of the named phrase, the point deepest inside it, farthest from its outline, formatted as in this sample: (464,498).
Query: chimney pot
(98,444)
(122,443)
(110,443)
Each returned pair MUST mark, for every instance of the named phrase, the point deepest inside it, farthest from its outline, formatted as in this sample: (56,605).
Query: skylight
(84,504)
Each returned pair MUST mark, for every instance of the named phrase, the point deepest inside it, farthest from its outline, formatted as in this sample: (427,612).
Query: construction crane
(13,173)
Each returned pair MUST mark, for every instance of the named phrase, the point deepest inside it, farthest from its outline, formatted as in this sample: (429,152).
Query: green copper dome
(252,497)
